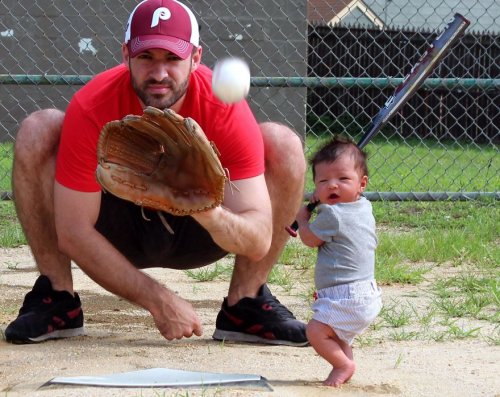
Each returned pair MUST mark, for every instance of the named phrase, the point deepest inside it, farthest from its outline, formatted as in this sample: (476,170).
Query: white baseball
(231,80)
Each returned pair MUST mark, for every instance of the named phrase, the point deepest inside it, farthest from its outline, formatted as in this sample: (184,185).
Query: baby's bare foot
(340,375)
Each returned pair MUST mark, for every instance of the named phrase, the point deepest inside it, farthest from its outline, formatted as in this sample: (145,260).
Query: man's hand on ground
(175,318)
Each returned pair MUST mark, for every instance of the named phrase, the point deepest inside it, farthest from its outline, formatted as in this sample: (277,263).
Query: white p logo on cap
(162,13)
(162,24)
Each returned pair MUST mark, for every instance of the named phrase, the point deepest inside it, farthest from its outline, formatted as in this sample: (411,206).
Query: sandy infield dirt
(120,337)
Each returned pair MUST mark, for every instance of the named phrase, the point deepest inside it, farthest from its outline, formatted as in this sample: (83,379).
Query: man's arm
(75,215)
(243,224)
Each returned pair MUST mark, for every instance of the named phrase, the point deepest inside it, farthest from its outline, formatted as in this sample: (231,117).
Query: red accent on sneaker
(47,300)
(254,329)
(74,313)
(58,321)
(234,319)
(50,329)
(315,295)
(267,306)
(269,335)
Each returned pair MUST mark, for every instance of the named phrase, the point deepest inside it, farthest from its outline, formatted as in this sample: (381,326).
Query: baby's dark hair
(336,147)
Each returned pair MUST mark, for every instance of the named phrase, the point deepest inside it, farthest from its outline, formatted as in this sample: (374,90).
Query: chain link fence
(319,66)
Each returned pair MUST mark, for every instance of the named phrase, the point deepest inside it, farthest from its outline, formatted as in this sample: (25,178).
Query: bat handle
(292,229)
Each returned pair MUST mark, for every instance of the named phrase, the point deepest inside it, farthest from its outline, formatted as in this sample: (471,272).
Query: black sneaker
(259,320)
(46,314)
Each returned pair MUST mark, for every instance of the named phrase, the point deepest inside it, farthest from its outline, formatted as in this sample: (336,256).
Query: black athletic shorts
(147,243)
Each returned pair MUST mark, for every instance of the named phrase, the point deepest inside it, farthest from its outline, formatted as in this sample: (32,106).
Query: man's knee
(283,148)
(39,132)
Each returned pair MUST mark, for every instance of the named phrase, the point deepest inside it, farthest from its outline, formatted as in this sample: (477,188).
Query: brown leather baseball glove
(160,161)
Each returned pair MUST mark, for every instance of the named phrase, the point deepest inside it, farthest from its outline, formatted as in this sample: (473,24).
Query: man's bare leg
(51,309)
(251,313)
(33,172)
(285,176)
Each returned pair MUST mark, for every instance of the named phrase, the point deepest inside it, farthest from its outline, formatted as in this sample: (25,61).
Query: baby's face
(339,182)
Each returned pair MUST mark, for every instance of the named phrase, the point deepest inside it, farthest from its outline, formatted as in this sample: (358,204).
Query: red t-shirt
(110,96)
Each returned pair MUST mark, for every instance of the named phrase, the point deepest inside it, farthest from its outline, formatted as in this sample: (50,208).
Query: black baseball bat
(410,84)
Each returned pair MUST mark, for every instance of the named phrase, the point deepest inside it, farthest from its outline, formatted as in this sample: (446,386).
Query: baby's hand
(314,198)
(312,204)
(304,214)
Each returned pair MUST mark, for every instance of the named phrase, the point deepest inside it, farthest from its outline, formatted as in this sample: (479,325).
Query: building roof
(334,12)
(410,14)
(322,11)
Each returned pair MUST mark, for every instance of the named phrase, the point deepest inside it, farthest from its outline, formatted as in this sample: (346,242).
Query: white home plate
(164,377)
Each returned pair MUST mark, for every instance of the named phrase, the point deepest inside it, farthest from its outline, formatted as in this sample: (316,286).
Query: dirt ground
(120,337)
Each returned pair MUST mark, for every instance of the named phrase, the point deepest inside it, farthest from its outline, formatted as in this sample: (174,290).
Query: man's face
(159,77)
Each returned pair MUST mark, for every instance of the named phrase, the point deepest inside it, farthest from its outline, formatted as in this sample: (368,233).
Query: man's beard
(160,101)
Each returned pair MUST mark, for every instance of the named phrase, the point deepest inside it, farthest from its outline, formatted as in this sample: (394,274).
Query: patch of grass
(437,336)
(308,295)
(298,255)
(456,332)
(209,273)
(455,232)
(433,166)
(282,276)
(425,166)
(390,269)
(402,335)
(425,318)
(455,307)
(11,234)
(438,214)
(10,310)
(395,314)
(467,295)
(365,340)
(494,338)
(6,156)
(399,360)
(12,265)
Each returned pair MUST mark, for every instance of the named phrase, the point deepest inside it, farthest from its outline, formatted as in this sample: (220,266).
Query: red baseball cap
(165,24)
